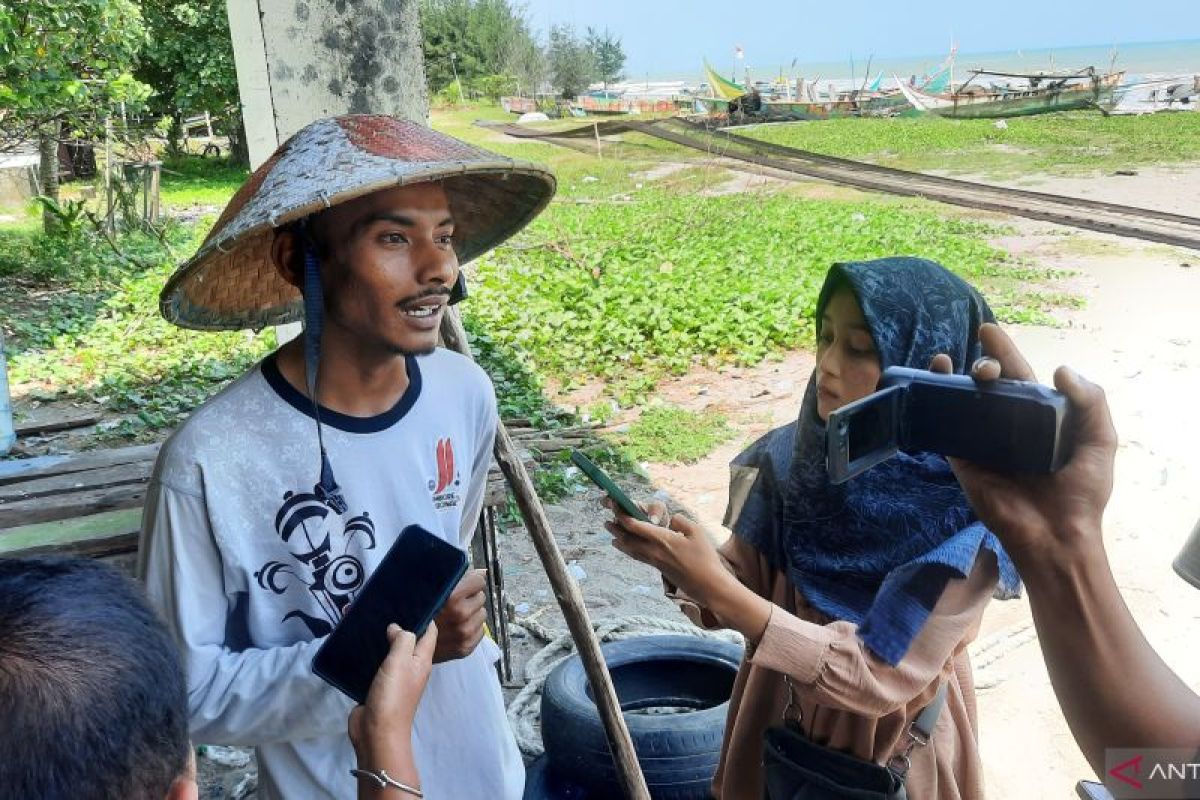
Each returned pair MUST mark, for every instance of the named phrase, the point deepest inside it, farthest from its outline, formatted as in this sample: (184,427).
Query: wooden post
(596,131)
(566,591)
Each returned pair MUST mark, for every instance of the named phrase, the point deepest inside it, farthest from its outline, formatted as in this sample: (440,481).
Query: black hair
(93,703)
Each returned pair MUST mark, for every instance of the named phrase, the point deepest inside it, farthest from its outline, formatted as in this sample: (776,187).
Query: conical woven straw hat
(231,282)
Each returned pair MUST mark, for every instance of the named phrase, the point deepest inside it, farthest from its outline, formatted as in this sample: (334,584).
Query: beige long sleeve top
(849,699)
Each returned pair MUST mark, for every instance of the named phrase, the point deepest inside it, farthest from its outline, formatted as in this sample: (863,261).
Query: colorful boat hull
(994,105)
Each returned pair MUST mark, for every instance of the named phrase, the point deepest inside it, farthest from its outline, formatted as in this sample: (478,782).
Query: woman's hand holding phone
(681,550)
(381,730)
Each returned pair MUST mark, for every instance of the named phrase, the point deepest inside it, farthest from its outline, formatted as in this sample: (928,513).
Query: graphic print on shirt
(319,542)
(445,486)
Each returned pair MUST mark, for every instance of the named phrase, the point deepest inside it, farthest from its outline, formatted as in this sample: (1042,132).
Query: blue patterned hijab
(878,550)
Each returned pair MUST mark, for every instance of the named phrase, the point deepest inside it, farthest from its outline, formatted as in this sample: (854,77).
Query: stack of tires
(674,692)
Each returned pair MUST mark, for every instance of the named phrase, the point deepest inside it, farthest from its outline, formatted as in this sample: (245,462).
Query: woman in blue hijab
(857,601)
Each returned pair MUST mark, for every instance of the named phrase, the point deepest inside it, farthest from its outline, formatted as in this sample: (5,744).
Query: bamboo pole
(566,591)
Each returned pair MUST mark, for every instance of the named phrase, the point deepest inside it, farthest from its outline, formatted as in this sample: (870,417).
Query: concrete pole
(300,60)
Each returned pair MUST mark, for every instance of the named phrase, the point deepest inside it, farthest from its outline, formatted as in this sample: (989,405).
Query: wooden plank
(52,425)
(99,534)
(43,467)
(72,504)
(103,547)
(18,467)
(137,472)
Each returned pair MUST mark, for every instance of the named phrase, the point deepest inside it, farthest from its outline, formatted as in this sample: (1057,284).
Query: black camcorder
(1011,426)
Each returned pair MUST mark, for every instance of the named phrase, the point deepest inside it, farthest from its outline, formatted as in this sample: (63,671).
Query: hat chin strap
(327,489)
(458,292)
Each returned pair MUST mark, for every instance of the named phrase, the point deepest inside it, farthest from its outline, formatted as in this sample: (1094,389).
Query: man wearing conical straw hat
(271,505)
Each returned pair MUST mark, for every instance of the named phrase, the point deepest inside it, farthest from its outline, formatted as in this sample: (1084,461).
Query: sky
(665,37)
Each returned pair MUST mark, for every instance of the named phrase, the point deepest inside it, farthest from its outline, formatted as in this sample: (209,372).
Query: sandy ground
(1175,189)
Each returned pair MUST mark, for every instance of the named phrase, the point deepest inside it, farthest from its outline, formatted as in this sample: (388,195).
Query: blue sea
(1140,60)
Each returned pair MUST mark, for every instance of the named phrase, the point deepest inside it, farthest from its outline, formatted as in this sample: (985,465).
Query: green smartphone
(601,479)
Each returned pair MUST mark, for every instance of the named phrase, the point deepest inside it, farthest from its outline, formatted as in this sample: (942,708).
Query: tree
(570,61)
(607,55)
(527,63)
(189,62)
(487,38)
(65,65)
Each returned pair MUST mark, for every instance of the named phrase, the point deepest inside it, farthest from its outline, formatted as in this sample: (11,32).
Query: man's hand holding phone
(461,621)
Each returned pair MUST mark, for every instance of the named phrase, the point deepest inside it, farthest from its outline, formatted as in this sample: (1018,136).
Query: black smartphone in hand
(601,479)
(409,588)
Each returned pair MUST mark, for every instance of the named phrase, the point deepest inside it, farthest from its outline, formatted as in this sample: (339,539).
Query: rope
(525,709)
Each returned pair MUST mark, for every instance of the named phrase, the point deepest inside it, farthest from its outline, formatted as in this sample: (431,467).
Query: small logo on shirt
(445,487)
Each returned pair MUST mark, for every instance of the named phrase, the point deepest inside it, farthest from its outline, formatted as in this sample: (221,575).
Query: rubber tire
(678,753)
(541,783)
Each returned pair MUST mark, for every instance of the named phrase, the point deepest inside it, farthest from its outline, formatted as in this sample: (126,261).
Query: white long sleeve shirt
(250,571)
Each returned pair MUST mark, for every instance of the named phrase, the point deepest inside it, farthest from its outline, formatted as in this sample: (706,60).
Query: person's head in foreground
(92,695)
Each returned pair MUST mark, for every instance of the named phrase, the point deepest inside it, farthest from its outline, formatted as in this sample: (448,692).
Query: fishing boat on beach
(733,100)
(1040,94)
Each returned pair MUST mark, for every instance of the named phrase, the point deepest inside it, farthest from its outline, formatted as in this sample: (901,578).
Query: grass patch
(666,434)
(631,292)
(130,360)
(1064,143)
(193,181)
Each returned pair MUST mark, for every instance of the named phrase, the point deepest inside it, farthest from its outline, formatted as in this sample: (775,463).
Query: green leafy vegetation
(120,353)
(1063,143)
(630,292)
(190,181)
(668,434)
(64,66)
(188,59)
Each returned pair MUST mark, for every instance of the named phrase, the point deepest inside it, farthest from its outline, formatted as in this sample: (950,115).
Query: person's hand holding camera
(1044,518)
(1114,689)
